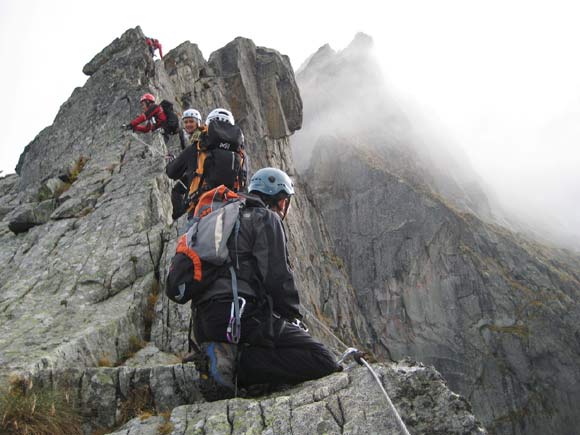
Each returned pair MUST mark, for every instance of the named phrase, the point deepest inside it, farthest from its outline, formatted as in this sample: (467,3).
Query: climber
(153,45)
(274,347)
(157,116)
(221,156)
(192,128)
(183,167)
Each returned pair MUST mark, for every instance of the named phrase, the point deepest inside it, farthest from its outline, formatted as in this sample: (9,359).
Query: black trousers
(178,197)
(288,356)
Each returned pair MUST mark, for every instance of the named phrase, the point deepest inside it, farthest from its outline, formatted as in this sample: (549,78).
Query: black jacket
(183,167)
(262,256)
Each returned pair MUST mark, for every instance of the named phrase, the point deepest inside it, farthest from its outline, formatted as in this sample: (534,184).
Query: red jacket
(155,44)
(154,111)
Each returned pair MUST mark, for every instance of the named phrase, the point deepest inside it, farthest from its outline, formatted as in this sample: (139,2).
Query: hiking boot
(216,363)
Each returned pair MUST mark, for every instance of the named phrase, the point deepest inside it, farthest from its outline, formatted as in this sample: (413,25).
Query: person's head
(191,120)
(220,115)
(146,101)
(274,187)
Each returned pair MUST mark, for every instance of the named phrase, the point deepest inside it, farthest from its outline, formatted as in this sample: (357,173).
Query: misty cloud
(346,96)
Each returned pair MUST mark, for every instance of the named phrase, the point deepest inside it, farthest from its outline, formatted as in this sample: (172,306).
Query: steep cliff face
(496,313)
(74,287)
(86,234)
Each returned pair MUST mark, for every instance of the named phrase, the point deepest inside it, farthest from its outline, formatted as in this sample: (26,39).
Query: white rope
(153,150)
(353,351)
(399,419)
(326,328)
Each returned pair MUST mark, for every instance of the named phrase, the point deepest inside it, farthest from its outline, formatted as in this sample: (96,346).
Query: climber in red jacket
(152,113)
(154,44)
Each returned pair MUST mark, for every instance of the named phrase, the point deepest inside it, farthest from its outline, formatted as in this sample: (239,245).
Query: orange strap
(195,183)
(198,176)
(184,249)
(205,204)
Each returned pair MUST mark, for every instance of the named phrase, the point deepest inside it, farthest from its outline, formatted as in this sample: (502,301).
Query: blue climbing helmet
(273,185)
(271,182)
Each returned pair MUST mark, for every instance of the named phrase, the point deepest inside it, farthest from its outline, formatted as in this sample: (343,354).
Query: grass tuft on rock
(24,411)
(139,402)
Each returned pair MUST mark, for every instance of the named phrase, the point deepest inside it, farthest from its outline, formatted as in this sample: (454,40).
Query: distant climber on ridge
(153,45)
(184,166)
(155,116)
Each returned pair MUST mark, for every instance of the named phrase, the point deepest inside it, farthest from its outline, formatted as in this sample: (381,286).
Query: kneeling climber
(273,346)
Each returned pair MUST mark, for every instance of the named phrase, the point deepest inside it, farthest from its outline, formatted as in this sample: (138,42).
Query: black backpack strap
(191,344)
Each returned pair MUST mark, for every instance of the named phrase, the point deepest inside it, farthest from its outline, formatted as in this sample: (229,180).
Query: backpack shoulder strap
(197,181)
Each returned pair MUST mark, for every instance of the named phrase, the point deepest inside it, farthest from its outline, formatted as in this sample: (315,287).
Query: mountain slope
(435,279)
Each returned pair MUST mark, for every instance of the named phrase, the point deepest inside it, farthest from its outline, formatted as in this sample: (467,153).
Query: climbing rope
(327,329)
(398,417)
(357,355)
(157,152)
(153,150)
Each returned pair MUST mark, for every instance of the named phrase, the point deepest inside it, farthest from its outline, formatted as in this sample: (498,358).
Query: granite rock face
(434,277)
(75,287)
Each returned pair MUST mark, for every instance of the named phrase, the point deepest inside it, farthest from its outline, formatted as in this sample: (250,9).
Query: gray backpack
(202,254)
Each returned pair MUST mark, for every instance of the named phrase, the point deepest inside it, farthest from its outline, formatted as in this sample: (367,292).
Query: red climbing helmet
(147,97)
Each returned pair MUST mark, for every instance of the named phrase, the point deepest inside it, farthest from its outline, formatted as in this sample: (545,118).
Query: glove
(169,157)
(127,127)
(300,324)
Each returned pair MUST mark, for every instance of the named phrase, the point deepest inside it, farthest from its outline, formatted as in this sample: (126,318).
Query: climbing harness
(357,355)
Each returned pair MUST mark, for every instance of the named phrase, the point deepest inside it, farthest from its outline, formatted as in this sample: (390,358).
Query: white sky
(501,77)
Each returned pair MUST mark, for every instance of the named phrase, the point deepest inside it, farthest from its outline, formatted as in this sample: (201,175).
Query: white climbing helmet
(192,113)
(220,115)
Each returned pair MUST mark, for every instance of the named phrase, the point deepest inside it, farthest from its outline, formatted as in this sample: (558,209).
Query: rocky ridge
(86,235)
(496,312)
(331,406)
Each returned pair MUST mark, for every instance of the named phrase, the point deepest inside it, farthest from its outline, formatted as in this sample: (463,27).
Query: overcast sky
(502,78)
